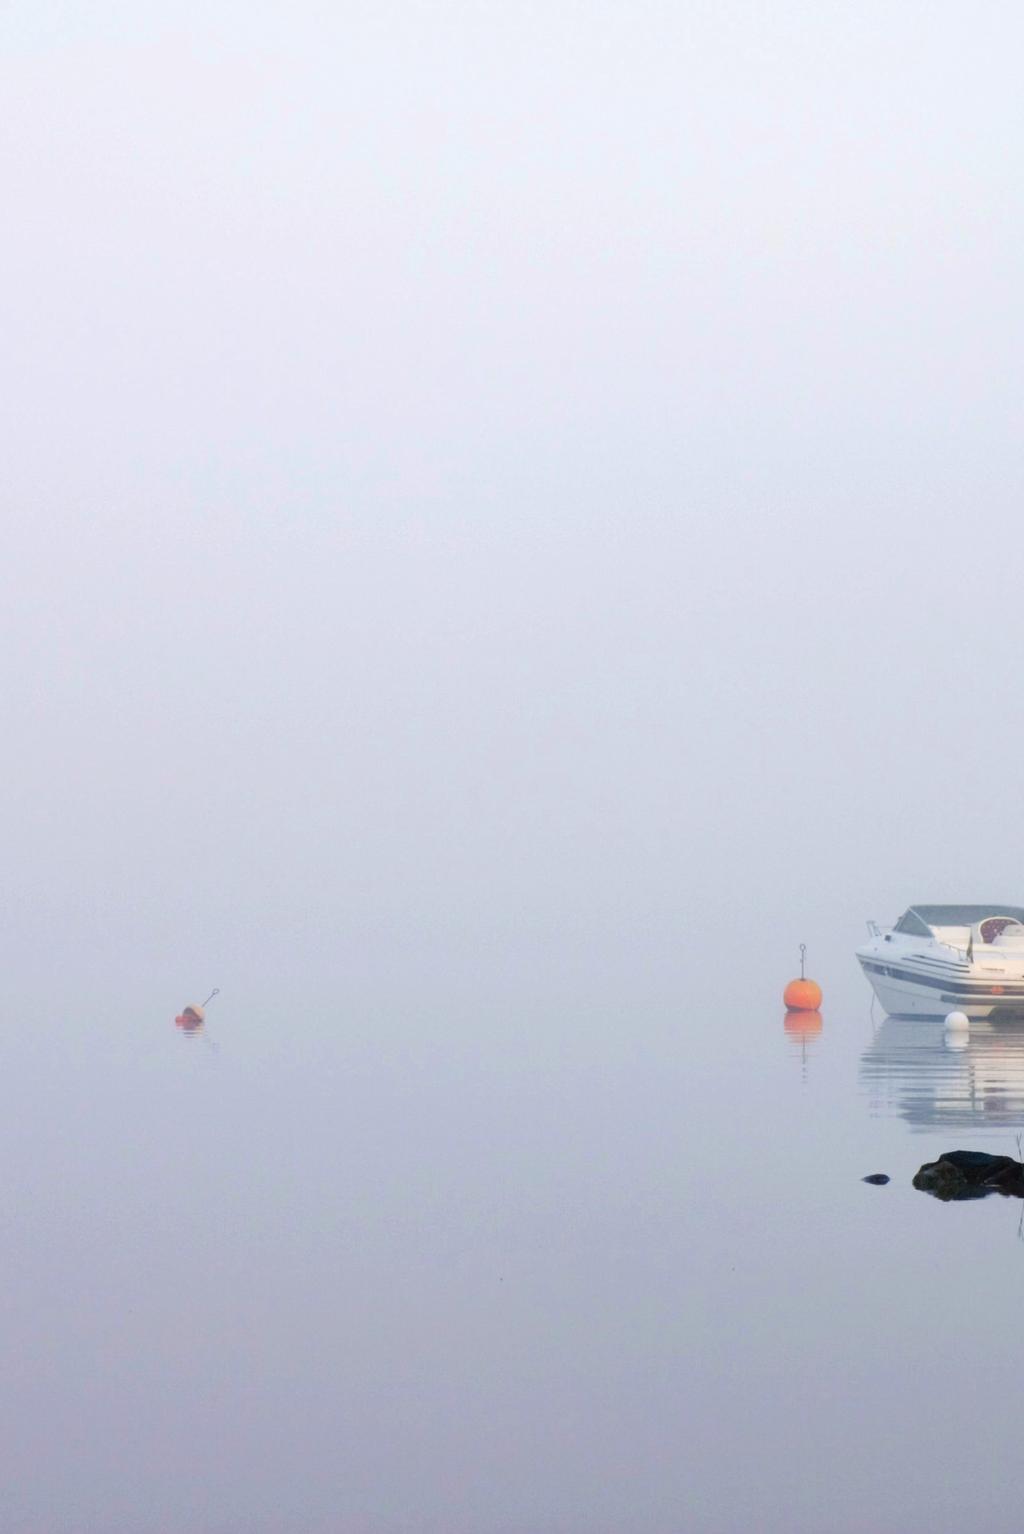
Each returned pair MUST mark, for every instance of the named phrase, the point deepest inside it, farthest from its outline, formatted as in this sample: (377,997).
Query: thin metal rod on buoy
(216,992)
(803,951)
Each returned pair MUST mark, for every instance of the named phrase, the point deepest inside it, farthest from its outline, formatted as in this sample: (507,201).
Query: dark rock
(941,1178)
(971,1174)
(878,1178)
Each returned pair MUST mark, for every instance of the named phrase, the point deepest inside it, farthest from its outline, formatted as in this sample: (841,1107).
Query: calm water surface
(515,1247)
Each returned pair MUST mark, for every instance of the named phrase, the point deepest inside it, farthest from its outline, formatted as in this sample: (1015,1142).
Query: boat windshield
(954,923)
(911,924)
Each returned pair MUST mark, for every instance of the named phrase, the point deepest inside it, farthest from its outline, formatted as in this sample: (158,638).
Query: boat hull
(905,995)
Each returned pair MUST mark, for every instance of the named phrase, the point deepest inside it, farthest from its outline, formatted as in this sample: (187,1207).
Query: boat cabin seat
(1007,931)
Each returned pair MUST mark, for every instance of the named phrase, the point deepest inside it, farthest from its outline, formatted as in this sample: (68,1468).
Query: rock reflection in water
(910,1069)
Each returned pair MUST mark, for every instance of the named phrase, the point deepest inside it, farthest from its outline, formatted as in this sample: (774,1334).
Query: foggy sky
(505,472)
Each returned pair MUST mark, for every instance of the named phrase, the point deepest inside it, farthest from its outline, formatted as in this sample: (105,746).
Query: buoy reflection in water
(803,1025)
(803,1028)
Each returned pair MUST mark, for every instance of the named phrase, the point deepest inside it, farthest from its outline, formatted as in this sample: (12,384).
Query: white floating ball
(957,1022)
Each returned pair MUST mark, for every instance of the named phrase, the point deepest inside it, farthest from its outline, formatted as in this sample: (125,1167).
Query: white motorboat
(948,958)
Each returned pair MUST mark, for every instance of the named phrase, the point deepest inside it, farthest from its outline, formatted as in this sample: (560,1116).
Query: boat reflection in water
(934,1079)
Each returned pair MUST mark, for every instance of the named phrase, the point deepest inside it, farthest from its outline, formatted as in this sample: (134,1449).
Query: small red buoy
(802,995)
(193,1016)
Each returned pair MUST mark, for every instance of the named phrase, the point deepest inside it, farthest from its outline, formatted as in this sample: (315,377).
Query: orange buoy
(802,995)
